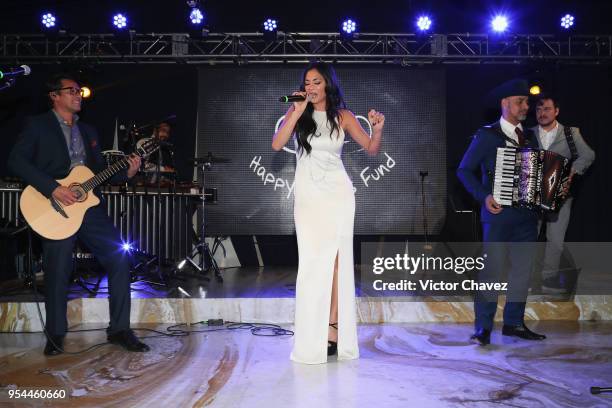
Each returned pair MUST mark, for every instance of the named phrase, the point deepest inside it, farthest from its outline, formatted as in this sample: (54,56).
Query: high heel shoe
(332,346)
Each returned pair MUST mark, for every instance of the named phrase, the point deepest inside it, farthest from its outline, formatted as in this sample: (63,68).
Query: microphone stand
(201,247)
(159,214)
(424,174)
(145,260)
(205,249)
(172,218)
(145,263)
(158,174)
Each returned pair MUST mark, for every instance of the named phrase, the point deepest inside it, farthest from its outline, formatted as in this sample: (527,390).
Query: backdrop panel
(237,116)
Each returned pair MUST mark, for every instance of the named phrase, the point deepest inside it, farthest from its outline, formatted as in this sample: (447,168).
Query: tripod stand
(201,246)
(143,262)
(203,249)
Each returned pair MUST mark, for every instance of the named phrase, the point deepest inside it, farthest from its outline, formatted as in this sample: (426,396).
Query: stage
(208,85)
(418,364)
(266,295)
(413,351)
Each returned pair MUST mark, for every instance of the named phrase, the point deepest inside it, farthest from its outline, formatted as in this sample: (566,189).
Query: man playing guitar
(50,145)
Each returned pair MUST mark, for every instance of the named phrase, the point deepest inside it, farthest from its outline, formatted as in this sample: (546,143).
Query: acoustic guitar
(50,219)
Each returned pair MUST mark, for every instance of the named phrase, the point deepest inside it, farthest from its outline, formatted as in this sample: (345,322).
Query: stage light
(48,20)
(126,246)
(181,264)
(535,90)
(85,92)
(499,23)
(120,21)
(567,21)
(196,16)
(270,25)
(349,26)
(183,291)
(423,23)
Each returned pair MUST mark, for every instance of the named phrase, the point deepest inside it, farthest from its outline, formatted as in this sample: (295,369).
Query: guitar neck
(146,149)
(104,175)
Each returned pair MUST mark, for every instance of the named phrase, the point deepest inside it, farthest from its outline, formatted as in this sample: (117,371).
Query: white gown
(324,212)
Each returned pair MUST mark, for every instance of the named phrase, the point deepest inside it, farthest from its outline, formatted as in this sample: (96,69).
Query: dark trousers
(103,240)
(510,246)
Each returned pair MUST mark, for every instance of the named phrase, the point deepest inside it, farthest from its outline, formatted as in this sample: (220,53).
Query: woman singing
(324,212)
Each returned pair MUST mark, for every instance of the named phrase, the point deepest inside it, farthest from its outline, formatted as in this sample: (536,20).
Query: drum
(142,141)
(150,164)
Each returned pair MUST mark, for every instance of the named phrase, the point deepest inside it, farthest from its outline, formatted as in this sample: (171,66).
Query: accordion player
(530,178)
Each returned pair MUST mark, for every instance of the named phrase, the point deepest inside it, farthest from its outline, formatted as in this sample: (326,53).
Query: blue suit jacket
(40,154)
(481,155)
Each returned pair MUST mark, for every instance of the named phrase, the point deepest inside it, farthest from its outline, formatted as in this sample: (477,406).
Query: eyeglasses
(71,90)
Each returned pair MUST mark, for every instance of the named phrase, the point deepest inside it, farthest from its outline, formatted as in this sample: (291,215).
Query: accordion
(530,178)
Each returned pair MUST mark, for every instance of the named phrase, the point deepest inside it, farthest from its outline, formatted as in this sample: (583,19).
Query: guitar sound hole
(78,192)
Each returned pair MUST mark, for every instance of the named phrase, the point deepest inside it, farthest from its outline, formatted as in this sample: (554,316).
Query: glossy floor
(407,365)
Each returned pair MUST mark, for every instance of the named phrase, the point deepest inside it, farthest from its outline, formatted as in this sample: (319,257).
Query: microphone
(22,70)
(291,98)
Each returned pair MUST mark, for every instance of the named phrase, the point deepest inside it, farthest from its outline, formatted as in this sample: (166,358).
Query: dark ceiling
(541,16)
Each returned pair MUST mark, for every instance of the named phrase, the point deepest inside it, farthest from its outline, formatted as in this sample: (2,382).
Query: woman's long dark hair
(306,125)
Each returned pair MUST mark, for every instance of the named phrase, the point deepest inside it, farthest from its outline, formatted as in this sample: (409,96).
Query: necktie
(521,136)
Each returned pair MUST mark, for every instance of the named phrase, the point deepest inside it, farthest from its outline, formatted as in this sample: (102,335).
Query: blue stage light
(499,23)
(270,25)
(423,23)
(567,21)
(120,21)
(127,246)
(48,20)
(349,26)
(196,16)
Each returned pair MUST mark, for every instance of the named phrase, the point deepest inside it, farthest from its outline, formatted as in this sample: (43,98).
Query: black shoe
(54,346)
(128,340)
(481,337)
(521,331)
(332,346)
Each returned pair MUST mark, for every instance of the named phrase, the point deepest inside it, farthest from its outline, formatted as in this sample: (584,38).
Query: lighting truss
(368,48)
